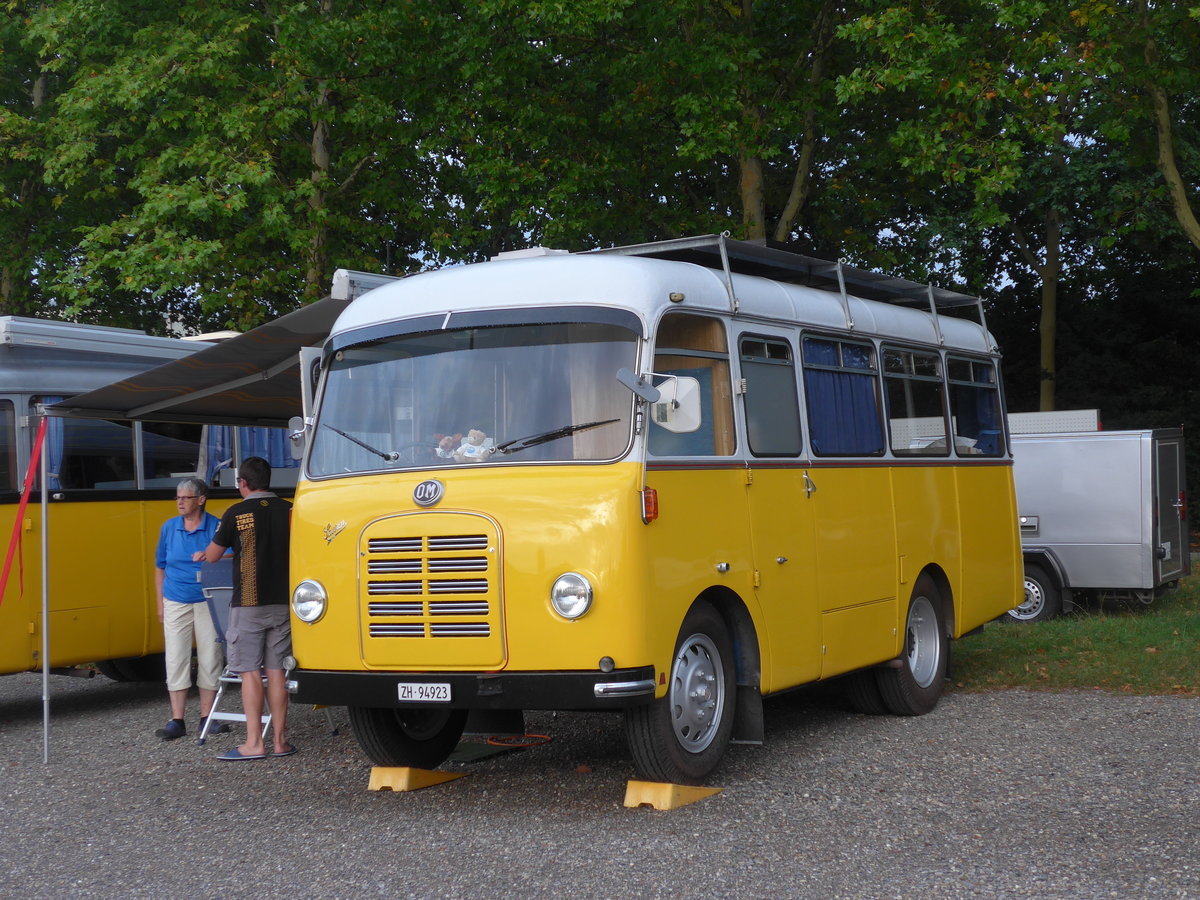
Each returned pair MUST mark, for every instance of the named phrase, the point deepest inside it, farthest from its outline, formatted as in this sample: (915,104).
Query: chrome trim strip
(623,688)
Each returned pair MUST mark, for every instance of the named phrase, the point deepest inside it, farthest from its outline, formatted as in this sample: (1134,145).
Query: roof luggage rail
(779,262)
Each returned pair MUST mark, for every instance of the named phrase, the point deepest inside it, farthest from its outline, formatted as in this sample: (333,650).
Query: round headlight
(571,595)
(308,601)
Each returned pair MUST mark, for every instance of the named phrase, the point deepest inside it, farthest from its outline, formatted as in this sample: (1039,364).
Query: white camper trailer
(1102,514)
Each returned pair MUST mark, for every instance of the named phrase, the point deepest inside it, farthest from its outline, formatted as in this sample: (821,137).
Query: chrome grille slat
(397,608)
(457,564)
(393,566)
(375,588)
(458,542)
(458,608)
(395,545)
(459,629)
(397,629)
(459,586)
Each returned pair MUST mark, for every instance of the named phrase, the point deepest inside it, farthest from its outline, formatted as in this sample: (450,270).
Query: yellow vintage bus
(668,479)
(110,486)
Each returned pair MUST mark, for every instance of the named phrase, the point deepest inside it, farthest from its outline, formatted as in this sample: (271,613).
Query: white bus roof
(644,280)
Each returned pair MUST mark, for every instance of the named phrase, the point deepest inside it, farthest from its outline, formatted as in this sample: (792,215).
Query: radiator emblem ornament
(332,531)
(428,493)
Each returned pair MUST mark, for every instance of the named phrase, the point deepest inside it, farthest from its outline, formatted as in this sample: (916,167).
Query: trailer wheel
(407,736)
(1043,600)
(681,738)
(914,687)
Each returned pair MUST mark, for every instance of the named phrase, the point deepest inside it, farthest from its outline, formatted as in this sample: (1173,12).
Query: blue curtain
(53,448)
(843,413)
(270,443)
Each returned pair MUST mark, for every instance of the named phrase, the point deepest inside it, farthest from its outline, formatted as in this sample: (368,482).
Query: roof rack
(770,259)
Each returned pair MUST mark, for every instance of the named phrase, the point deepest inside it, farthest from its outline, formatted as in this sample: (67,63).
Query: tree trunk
(315,274)
(754,214)
(15,287)
(1169,169)
(822,35)
(1048,327)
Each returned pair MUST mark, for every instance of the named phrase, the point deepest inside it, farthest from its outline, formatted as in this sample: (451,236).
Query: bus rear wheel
(914,687)
(681,737)
(135,668)
(407,736)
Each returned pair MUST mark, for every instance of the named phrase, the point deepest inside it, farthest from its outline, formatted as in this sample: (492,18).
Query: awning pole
(45,604)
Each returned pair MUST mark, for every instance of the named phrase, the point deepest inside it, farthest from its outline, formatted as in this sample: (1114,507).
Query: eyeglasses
(188,497)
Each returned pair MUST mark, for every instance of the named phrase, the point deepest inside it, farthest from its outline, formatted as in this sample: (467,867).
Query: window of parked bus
(8,447)
(912,381)
(772,409)
(695,346)
(975,407)
(841,389)
(87,453)
(170,451)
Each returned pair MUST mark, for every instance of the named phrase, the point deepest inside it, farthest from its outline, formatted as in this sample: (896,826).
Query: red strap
(15,541)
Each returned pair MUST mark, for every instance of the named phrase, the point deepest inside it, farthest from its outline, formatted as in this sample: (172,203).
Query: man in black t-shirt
(259,636)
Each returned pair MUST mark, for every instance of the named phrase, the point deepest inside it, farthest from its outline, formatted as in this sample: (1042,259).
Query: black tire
(861,690)
(681,738)
(421,737)
(914,687)
(135,668)
(1043,599)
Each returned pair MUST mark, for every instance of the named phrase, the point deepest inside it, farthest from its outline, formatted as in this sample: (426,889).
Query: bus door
(780,506)
(855,531)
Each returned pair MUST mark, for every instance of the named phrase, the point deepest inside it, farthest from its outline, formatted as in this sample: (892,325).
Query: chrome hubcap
(697,695)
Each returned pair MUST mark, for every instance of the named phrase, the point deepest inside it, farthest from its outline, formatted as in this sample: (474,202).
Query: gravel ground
(1082,795)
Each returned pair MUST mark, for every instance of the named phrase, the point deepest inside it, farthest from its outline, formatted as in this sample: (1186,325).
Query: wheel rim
(697,693)
(1035,599)
(923,641)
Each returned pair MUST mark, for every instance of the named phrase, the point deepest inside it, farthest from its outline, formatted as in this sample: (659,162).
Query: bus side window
(170,451)
(772,407)
(87,453)
(695,346)
(912,381)
(975,407)
(8,447)
(842,393)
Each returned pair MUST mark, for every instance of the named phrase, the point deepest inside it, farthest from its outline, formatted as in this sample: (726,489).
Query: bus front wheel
(407,736)
(681,737)
(914,686)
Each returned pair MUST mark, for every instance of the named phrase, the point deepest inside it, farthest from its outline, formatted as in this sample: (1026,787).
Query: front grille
(443,585)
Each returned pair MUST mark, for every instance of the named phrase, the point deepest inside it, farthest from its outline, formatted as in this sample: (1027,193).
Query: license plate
(424,692)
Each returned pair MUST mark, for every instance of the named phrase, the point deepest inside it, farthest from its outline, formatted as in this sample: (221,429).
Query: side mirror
(296,434)
(678,407)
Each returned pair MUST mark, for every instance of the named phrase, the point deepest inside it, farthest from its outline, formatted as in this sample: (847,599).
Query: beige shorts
(258,637)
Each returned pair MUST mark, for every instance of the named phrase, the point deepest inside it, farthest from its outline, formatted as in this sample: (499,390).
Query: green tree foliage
(211,163)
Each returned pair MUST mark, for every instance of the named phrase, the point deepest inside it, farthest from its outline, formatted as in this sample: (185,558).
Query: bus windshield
(497,395)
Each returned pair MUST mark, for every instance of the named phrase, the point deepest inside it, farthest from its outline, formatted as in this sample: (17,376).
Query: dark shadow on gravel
(67,696)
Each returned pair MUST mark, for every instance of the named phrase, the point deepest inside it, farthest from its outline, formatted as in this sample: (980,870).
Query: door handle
(810,486)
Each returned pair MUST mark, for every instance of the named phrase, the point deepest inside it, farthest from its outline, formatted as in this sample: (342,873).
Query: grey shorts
(258,637)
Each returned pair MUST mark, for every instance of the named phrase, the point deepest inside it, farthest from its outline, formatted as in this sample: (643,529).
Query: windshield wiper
(546,436)
(390,457)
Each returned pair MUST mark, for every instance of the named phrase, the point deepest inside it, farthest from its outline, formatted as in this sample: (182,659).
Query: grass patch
(1126,649)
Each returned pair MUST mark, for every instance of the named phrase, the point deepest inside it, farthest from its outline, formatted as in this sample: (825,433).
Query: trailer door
(1171,538)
